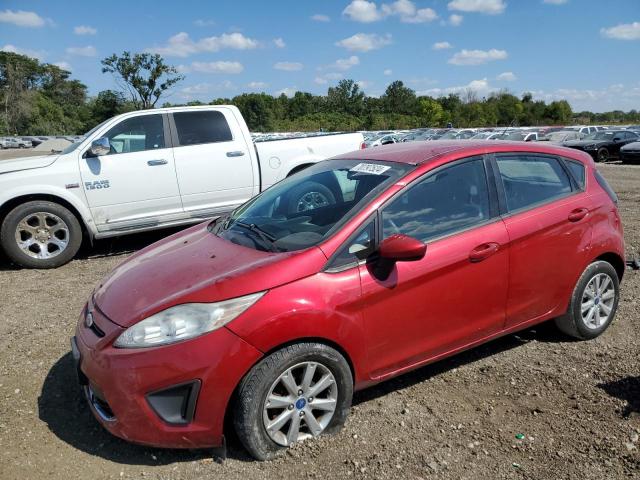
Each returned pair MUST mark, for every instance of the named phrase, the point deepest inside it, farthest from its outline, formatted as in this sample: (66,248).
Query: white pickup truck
(146,170)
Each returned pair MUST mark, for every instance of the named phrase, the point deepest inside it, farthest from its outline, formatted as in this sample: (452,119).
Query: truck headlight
(183,322)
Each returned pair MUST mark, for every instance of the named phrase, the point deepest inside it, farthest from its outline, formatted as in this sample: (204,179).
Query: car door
(456,294)
(213,161)
(135,184)
(546,213)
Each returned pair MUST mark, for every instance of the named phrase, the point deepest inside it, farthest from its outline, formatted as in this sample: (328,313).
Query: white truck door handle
(153,163)
(237,153)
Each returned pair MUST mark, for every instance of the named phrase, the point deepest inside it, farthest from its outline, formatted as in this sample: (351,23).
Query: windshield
(303,210)
(70,148)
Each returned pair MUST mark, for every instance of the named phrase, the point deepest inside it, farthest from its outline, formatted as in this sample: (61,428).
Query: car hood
(26,163)
(195,266)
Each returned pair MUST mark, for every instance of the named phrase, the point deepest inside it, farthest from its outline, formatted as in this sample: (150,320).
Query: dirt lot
(576,403)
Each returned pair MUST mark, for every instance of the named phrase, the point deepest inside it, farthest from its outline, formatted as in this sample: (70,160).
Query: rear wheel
(40,234)
(297,393)
(603,154)
(593,304)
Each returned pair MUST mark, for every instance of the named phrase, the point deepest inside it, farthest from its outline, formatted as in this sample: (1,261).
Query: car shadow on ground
(63,408)
(627,389)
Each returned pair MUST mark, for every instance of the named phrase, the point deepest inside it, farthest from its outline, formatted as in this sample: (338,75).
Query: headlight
(183,322)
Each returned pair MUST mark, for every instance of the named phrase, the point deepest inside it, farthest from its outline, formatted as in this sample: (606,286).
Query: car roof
(417,153)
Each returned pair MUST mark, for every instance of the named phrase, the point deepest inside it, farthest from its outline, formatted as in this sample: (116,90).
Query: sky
(584,51)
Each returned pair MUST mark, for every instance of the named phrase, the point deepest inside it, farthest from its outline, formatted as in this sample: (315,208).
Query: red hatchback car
(395,257)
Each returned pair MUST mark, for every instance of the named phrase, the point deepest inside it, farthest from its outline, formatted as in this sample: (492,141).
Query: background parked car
(561,136)
(605,144)
(630,153)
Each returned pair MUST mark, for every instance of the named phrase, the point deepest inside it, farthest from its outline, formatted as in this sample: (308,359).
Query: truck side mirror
(100,146)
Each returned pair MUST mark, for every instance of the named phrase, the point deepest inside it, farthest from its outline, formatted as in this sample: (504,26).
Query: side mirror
(100,146)
(397,248)
(617,139)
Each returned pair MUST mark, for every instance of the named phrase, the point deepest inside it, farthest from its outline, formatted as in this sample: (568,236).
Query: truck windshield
(308,207)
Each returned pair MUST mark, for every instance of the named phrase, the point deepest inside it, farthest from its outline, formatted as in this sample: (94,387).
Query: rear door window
(529,180)
(198,127)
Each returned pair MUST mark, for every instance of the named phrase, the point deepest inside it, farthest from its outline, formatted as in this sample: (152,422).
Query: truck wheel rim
(311,201)
(42,235)
(597,303)
(300,403)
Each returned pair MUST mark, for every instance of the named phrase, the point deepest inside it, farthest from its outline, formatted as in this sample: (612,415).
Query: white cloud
(364,84)
(441,45)
(366,12)
(507,77)
(343,64)
(181,45)
(288,66)
(481,86)
(88,51)
(288,91)
(201,22)
(39,54)
(613,97)
(257,85)
(216,67)
(388,72)
(204,90)
(63,65)
(318,17)
(455,20)
(364,42)
(477,57)
(490,7)
(279,42)
(329,77)
(555,2)
(624,31)
(84,30)
(20,18)
(363,11)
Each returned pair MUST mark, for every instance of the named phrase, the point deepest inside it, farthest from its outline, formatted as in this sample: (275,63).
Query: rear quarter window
(577,170)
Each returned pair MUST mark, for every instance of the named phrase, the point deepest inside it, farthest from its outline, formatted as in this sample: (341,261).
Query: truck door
(135,183)
(213,161)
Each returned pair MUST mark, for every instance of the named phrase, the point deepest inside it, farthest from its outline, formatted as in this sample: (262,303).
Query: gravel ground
(532,405)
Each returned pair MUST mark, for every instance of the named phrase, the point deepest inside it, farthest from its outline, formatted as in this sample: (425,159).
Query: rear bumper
(174,396)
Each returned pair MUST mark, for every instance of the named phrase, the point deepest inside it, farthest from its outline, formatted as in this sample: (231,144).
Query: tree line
(42,99)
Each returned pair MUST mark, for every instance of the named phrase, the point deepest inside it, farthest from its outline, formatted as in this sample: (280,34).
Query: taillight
(363,146)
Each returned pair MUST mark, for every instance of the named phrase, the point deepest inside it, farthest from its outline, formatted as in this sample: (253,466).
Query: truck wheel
(40,234)
(309,196)
(299,392)
(593,303)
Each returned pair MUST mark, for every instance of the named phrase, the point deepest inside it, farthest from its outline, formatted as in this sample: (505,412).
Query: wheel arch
(9,205)
(615,260)
(298,168)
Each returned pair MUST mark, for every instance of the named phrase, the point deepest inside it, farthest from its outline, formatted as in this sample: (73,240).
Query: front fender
(324,307)
(74,196)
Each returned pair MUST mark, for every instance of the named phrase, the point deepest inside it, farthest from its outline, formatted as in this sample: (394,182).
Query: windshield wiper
(266,237)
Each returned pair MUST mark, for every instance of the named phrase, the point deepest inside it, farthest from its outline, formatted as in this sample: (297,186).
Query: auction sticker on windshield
(371,168)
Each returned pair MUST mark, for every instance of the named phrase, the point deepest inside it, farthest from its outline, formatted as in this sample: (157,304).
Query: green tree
(559,112)
(431,112)
(346,97)
(145,76)
(399,99)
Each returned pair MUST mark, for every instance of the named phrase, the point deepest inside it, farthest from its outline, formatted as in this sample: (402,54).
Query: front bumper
(120,384)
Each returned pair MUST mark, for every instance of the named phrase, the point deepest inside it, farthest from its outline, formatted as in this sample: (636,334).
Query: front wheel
(603,155)
(309,196)
(593,304)
(296,393)
(40,234)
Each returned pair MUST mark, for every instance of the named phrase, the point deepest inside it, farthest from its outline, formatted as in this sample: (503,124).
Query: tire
(52,228)
(309,196)
(577,325)
(251,413)
(602,155)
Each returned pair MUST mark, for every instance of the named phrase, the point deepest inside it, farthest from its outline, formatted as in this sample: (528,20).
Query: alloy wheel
(300,403)
(42,235)
(597,303)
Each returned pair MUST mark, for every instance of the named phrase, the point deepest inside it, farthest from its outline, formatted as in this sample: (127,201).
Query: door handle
(578,214)
(237,153)
(484,251)
(153,163)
